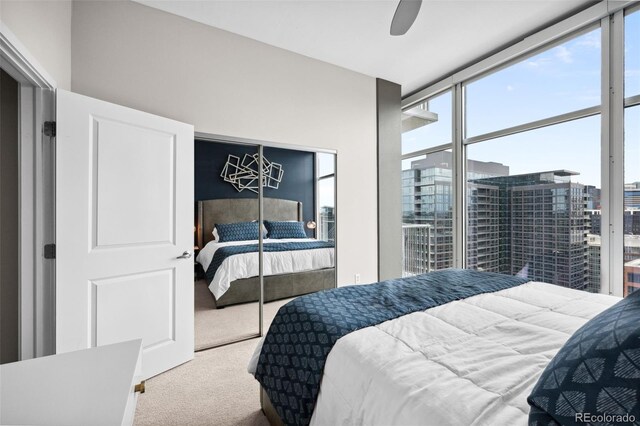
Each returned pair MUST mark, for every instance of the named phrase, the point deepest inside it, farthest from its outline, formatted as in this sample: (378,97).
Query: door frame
(37,197)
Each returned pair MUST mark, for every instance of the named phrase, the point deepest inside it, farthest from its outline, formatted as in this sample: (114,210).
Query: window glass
(631,220)
(326,209)
(427,203)
(428,124)
(533,203)
(561,79)
(326,164)
(632,54)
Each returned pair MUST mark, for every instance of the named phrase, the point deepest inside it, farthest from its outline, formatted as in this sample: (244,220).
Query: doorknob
(185,255)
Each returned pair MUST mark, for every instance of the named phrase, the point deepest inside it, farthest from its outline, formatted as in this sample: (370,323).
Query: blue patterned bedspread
(224,252)
(304,330)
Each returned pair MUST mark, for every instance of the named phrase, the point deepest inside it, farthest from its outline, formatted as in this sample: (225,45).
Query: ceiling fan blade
(405,16)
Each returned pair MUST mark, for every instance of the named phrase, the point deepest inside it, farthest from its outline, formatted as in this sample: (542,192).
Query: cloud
(633,72)
(591,40)
(510,88)
(564,54)
(537,63)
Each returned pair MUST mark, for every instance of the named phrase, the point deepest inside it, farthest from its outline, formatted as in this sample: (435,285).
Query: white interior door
(124,214)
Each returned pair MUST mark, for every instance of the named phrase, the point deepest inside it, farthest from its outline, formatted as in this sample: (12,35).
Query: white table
(89,387)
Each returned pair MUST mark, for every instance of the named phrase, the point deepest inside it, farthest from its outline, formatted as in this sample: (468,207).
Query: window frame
(609,16)
(318,178)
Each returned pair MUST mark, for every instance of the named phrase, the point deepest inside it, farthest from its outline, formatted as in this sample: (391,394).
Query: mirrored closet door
(244,271)
(227,282)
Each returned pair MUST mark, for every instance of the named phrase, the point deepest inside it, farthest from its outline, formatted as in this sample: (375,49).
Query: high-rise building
(427,191)
(631,221)
(417,245)
(631,248)
(594,221)
(631,263)
(427,200)
(631,277)
(592,195)
(326,227)
(632,195)
(534,221)
(593,260)
(484,226)
(542,227)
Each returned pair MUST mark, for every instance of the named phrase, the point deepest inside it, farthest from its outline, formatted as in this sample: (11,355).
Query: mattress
(275,263)
(468,362)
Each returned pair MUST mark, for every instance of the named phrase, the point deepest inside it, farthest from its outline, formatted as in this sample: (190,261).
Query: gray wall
(9,202)
(389,180)
(44,28)
(222,83)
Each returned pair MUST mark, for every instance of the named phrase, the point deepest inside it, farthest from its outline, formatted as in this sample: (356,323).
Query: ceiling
(354,34)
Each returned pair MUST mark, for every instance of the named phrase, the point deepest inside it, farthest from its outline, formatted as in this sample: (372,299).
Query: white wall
(226,84)
(44,28)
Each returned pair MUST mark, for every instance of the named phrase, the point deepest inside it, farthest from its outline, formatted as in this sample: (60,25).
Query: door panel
(148,217)
(124,209)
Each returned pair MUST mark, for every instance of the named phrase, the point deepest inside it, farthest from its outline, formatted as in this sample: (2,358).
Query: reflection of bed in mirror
(281,286)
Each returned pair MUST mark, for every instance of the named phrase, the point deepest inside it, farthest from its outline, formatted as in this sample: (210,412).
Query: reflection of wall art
(244,174)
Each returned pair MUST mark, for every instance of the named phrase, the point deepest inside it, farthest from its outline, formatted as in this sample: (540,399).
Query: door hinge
(50,251)
(50,128)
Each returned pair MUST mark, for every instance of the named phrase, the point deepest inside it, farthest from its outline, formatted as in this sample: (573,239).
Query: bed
(473,360)
(287,274)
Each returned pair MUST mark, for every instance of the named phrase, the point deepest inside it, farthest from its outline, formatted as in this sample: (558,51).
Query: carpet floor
(214,388)
(218,326)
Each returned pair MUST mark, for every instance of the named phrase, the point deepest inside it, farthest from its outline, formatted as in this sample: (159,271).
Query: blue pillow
(595,373)
(240,231)
(281,230)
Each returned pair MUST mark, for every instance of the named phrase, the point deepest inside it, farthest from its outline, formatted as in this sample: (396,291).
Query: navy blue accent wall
(297,182)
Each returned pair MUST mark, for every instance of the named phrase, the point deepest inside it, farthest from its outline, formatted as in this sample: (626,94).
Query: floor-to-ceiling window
(427,185)
(527,147)
(631,197)
(533,166)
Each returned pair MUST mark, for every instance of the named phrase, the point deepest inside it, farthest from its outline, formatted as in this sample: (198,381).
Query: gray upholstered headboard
(232,210)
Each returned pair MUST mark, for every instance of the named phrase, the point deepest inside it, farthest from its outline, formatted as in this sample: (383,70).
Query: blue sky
(326,190)
(561,79)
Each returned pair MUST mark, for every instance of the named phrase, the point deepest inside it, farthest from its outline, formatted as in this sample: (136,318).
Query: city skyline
(542,222)
(565,78)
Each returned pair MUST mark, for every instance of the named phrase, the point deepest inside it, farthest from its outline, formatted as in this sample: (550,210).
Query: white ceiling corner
(354,34)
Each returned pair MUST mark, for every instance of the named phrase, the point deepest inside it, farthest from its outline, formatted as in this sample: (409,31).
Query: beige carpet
(217,326)
(213,389)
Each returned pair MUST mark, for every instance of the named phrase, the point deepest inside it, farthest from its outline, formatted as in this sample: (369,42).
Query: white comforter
(469,362)
(246,265)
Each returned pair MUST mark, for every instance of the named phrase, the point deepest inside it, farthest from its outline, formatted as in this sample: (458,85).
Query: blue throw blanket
(304,330)
(223,252)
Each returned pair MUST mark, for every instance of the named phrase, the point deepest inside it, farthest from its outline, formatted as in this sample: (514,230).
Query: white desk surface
(88,387)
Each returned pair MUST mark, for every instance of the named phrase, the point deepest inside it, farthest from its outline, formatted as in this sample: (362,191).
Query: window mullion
(605,158)
(459,180)
(616,151)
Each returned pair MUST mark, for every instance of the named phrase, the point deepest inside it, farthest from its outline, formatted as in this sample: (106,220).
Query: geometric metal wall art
(244,174)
